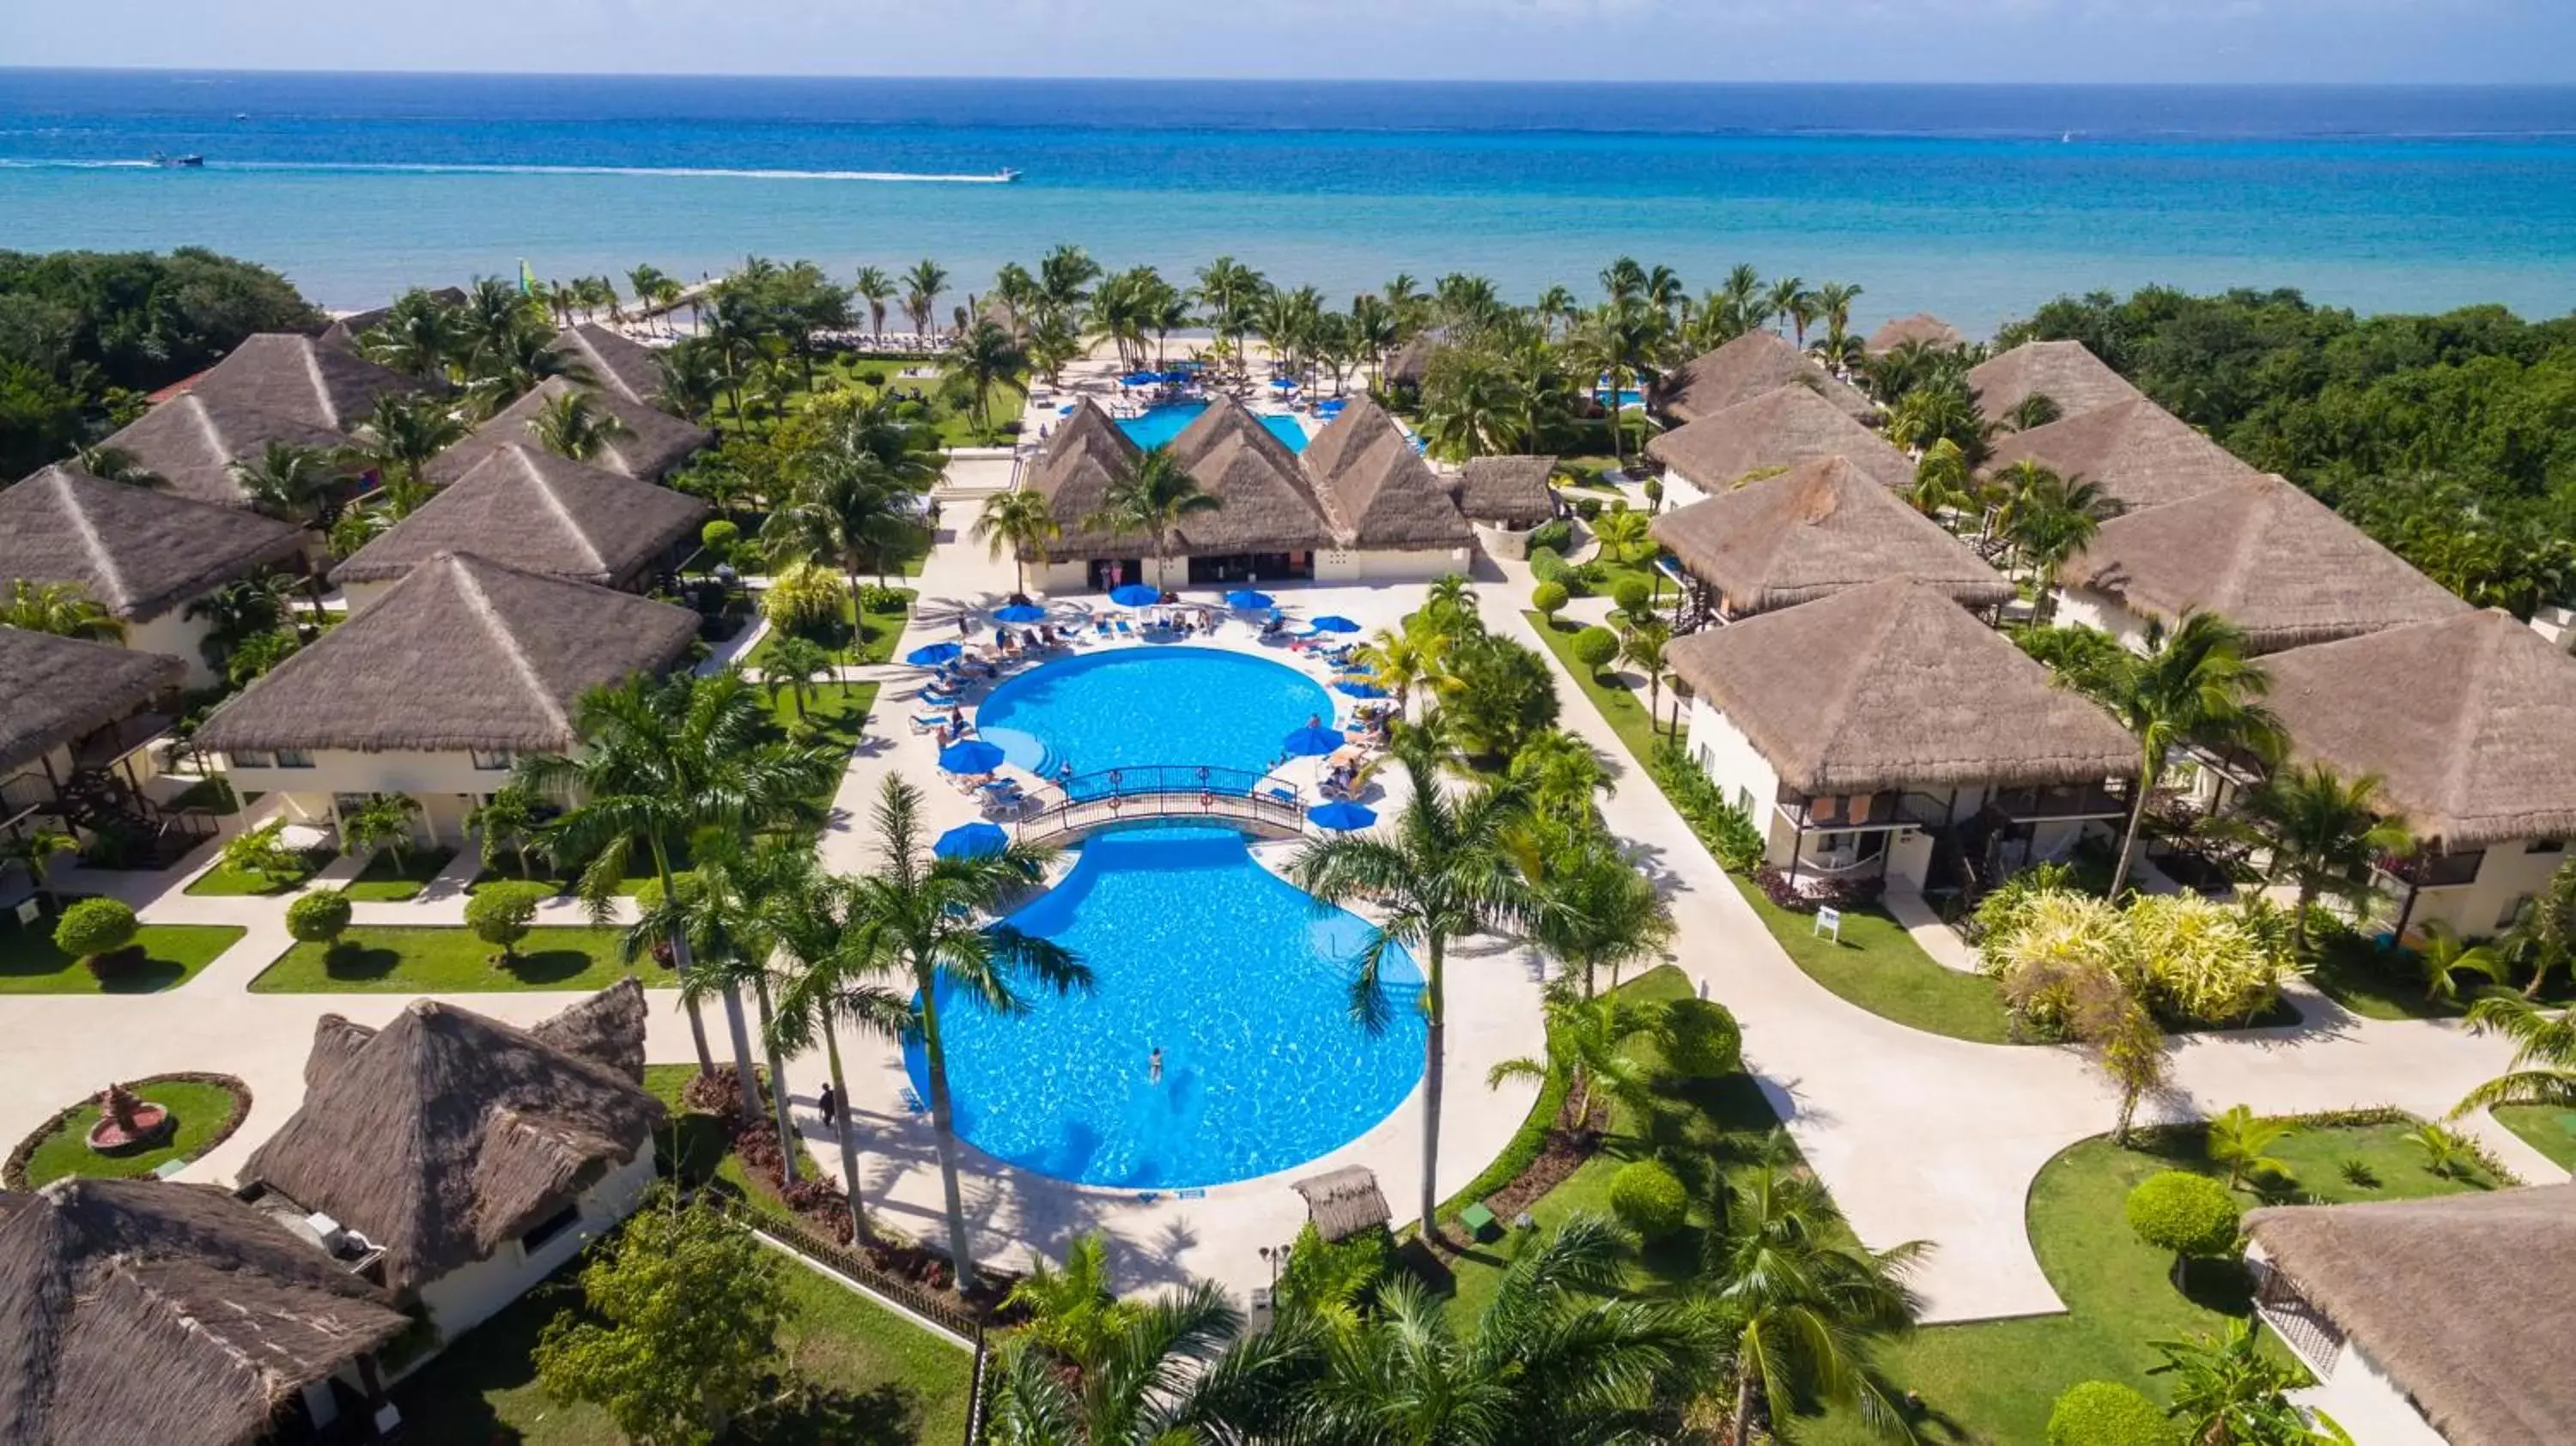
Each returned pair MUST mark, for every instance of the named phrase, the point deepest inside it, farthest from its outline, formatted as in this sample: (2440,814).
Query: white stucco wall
(2484,906)
(2085,607)
(448,785)
(462,1299)
(1389,566)
(1740,772)
(178,635)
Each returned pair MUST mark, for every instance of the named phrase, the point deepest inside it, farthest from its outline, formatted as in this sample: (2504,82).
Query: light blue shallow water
(1130,707)
(1199,951)
(1159,425)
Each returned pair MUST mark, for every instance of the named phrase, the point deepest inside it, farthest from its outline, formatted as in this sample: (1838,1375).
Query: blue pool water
(1132,707)
(1201,952)
(1161,424)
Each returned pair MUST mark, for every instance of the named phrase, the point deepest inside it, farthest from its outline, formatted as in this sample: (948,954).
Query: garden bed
(383,881)
(165,956)
(207,1109)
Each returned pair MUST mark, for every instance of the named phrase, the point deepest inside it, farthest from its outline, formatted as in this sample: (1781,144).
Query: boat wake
(431,168)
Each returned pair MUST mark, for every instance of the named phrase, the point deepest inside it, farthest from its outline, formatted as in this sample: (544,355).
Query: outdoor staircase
(138,832)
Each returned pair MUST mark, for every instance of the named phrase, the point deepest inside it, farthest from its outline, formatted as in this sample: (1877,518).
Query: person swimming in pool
(1154,1066)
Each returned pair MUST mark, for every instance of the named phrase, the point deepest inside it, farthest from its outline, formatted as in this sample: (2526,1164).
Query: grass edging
(13,1174)
(1521,1152)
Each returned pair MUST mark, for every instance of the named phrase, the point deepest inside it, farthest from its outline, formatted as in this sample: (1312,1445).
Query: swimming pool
(1163,704)
(1197,950)
(1161,424)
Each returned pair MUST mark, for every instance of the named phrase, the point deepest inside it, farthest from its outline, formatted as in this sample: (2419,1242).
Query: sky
(2420,41)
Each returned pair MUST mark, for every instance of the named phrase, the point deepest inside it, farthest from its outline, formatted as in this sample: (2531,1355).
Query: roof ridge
(544,483)
(90,539)
(489,614)
(312,358)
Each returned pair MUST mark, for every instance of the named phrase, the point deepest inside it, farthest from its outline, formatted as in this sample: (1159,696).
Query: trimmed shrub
(1556,535)
(93,927)
(1649,1199)
(1343,1272)
(719,537)
(1629,594)
(320,917)
(875,599)
(1702,1039)
(1587,508)
(1595,646)
(873,376)
(804,598)
(1547,564)
(2107,1413)
(1549,598)
(1653,487)
(500,915)
(2185,1213)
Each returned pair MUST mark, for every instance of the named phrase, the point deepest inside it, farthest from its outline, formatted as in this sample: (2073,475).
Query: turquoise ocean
(1977,202)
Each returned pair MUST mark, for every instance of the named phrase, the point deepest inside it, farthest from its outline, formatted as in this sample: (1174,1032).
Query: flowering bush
(804,597)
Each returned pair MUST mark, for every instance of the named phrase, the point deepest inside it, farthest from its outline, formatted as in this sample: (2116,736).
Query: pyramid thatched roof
(616,362)
(1509,491)
(1892,685)
(2270,558)
(1780,428)
(289,375)
(1818,528)
(2467,721)
(344,331)
(1412,361)
(190,442)
(1342,1203)
(141,1310)
(1745,368)
(2138,453)
(655,441)
(2467,1301)
(1376,488)
(56,691)
(2063,371)
(1234,458)
(1921,327)
(460,654)
(1081,459)
(527,508)
(447,1134)
(136,551)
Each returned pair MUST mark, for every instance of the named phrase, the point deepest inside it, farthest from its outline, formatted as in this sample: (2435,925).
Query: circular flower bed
(198,1112)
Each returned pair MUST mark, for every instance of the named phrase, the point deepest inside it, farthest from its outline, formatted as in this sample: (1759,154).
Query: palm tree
(1621,341)
(288,482)
(1834,299)
(1021,521)
(115,464)
(420,337)
(791,665)
(2230,1391)
(647,281)
(1597,910)
(924,920)
(398,439)
(63,609)
(875,288)
(1472,405)
(507,822)
(1403,659)
(2543,1071)
(2242,1141)
(574,424)
(1587,1039)
(2545,932)
(2048,519)
(827,984)
(982,356)
(1156,1373)
(691,378)
(1152,501)
(1943,480)
(922,285)
(722,908)
(2325,834)
(494,313)
(1784,301)
(1442,874)
(2445,954)
(1642,643)
(33,848)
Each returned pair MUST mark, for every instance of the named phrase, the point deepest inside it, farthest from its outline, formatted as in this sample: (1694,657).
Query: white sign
(28,910)
(1829,922)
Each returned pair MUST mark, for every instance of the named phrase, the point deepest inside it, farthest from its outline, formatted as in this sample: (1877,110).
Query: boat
(1006,175)
(173,163)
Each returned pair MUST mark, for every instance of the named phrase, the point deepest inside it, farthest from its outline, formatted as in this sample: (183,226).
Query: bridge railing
(1159,791)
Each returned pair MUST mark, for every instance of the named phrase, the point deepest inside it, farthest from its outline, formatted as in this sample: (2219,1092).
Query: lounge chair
(928,723)
(1124,631)
(1283,794)
(1100,627)
(937,699)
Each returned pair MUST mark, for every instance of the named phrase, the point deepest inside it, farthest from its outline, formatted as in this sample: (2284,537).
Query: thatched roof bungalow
(2265,555)
(285,374)
(1780,428)
(1507,491)
(1921,328)
(191,443)
(2433,1319)
(529,509)
(1745,368)
(2138,453)
(1385,502)
(1819,528)
(345,331)
(1855,728)
(59,694)
(617,363)
(653,444)
(2062,371)
(1082,458)
(476,1155)
(1412,361)
(140,1310)
(1267,507)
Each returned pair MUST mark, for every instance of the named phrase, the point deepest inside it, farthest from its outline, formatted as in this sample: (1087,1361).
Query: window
(550,1229)
(2545,846)
(252,758)
(491,759)
(294,758)
(1744,802)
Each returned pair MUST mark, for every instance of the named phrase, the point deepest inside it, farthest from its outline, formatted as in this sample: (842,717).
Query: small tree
(1594,647)
(2242,1141)
(382,822)
(33,848)
(1701,1039)
(507,822)
(500,915)
(95,928)
(320,917)
(263,851)
(718,538)
(2107,1413)
(688,1309)
(1630,594)
(2185,1213)
(1549,599)
(805,598)
(1649,1199)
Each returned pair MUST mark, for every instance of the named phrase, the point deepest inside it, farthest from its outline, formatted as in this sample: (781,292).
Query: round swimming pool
(1198,951)
(1165,704)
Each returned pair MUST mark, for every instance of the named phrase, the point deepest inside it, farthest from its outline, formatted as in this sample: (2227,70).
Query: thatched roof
(2138,453)
(140,1310)
(1344,1202)
(1892,685)
(606,1029)
(1412,361)
(345,331)
(2063,371)
(1921,327)
(530,509)
(2270,558)
(1745,368)
(137,552)
(191,442)
(2467,1301)
(1779,428)
(1509,491)
(2467,721)
(1081,459)
(287,375)
(655,441)
(1234,458)
(447,1134)
(617,362)
(1818,528)
(462,653)
(1376,487)
(56,691)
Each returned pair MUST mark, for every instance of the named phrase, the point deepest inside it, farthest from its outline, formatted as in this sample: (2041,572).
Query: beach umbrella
(1357,685)
(1068,409)
(1020,613)
(1341,815)
(933,654)
(1283,384)
(1313,742)
(1334,623)
(1331,407)
(1140,379)
(1136,595)
(1247,599)
(971,841)
(972,756)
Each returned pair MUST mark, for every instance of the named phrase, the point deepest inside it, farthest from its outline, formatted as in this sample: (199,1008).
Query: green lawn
(693,1148)
(2550,1129)
(404,960)
(873,642)
(201,1110)
(221,882)
(1619,704)
(881,1380)
(211,794)
(383,882)
(949,410)
(1993,1382)
(1879,967)
(172,955)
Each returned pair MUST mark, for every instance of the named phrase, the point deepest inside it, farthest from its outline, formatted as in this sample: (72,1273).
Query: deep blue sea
(1978,202)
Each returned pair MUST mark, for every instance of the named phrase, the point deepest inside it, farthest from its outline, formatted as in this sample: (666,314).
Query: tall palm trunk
(740,1028)
(680,965)
(788,1145)
(1435,1045)
(960,1252)
(841,1129)
(2137,815)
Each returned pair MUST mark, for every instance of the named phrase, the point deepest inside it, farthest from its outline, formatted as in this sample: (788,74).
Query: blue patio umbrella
(1334,623)
(971,841)
(1068,409)
(972,756)
(1313,742)
(1136,595)
(1357,685)
(1283,384)
(1020,613)
(1248,599)
(1140,379)
(933,654)
(1330,407)
(1341,815)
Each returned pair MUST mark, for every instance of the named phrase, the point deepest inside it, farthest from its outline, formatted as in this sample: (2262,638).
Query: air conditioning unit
(327,1230)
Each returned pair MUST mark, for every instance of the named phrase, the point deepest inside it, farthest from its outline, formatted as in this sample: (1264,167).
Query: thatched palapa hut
(2138,453)
(1780,428)
(67,707)
(617,363)
(1508,492)
(2062,371)
(1745,368)
(1389,511)
(527,508)
(1343,1203)
(653,444)
(283,374)
(1268,509)
(1922,328)
(191,443)
(1819,528)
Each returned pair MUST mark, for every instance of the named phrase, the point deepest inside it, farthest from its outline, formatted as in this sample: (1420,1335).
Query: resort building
(618,364)
(1819,528)
(283,374)
(1503,498)
(2467,723)
(527,508)
(1779,428)
(1920,329)
(141,1310)
(345,331)
(77,725)
(141,554)
(2137,453)
(1745,368)
(2268,557)
(191,443)
(1394,519)
(1881,732)
(2431,1321)
(435,689)
(467,1157)
(652,444)
(2071,377)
